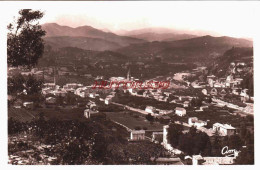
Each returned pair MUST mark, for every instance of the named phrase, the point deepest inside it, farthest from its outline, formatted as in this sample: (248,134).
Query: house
(194,121)
(157,137)
(108,100)
(150,109)
(59,93)
(244,93)
(164,112)
(92,95)
(186,104)
(71,86)
(28,105)
(180,111)
(50,100)
(137,135)
(214,92)
(211,79)
(230,78)
(204,91)
(223,92)
(236,91)
(224,129)
(87,113)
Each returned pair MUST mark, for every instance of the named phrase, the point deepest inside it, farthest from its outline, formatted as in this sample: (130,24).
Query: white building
(180,111)
(108,99)
(150,109)
(186,104)
(194,121)
(205,92)
(224,129)
(28,105)
(137,135)
(87,113)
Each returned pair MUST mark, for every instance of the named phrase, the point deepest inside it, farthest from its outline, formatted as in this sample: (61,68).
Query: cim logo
(229,152)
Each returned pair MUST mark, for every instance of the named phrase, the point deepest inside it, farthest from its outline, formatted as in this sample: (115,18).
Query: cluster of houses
(91,108)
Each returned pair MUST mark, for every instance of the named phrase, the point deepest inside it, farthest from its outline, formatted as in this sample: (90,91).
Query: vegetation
(24,40)
(73,142)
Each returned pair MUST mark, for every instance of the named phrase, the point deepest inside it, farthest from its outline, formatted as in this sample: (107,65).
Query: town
(202,113)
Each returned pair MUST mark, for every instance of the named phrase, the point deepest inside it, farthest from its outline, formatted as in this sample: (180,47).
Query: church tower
(128,77)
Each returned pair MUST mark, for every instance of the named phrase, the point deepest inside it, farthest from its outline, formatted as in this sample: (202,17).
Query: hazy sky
(236,19)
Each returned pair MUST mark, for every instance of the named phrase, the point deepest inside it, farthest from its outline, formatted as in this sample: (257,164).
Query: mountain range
(143,44)
(85,37)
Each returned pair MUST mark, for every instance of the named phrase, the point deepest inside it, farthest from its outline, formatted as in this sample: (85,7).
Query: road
(131,108)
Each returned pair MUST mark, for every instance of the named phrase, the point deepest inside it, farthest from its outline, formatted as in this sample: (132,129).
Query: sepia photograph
(130,83)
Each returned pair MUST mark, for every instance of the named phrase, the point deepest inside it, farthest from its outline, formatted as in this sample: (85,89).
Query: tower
(128,75)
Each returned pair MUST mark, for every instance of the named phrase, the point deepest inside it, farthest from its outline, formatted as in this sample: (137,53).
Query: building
(204,91)
(137,135)
(211,79)
(186,104)
(214,92)
(28,105)
(87,113)
(50,100)
(194,121)
(108,99)
(180,111)
(150,109)
(157,137)
(224,129)
(71,86)
(50,86)
(92,95)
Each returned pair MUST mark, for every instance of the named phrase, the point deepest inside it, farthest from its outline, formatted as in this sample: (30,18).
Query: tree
(174,133)
(235,142)
(28,85)
(245,157)
(193,130)
(24,40)
(216,144)
(99,149)
(149,117)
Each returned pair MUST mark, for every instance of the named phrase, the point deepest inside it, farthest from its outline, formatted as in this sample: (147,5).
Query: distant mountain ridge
(85,43)
(198,49)
(150,36)
(171,47)
(55,30)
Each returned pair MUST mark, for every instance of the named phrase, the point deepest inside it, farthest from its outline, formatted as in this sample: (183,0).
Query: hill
(200,49)
(85,43)
(96,35)
(150,36)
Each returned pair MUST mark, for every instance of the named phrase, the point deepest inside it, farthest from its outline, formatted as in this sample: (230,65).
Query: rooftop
(137,131)
(226,126)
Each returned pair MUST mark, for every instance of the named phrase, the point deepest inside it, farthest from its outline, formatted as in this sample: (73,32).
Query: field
(24,115)
(133,120)
(21,115)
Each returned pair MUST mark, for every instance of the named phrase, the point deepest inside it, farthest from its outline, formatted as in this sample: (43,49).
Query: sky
(219,18)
